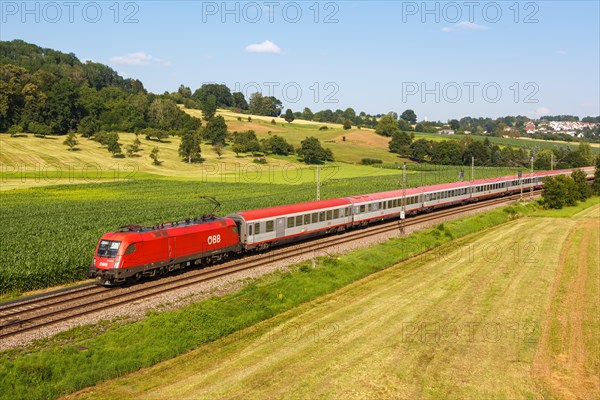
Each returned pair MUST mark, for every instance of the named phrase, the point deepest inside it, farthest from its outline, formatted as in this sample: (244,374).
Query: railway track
(36,312)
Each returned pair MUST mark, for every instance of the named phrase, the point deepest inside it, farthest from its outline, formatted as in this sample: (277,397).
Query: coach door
(280,227)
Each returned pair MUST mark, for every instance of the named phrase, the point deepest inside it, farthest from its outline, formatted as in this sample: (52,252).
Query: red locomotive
(135,252)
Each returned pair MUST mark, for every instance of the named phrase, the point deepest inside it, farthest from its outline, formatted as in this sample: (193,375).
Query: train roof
(384,195)
(168,229)
(448,186)
(272,212)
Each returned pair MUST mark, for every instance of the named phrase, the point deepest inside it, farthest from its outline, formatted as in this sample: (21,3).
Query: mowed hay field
(511,312)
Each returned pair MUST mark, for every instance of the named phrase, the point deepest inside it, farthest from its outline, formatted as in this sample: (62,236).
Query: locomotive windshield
(108,248)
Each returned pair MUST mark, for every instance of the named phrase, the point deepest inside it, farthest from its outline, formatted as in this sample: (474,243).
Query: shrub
(370,161)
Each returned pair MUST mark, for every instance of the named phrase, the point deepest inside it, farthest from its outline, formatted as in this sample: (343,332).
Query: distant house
(530,127)
(446,132)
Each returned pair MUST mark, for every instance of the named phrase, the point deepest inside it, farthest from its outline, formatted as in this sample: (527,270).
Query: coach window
(307,219)
(336,214)
(348,211)
(257,228)
(299,220)
(290,222)
(130,249)
(269,226)
(329,215)
(315,218)
(322,216)
(362,208)
(249,229)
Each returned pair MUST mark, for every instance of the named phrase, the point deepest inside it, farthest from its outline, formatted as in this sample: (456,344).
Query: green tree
(220,92)
(219,149)
(454,124)
(132,149)
(209,107)
(387,126)
(585,152)
(216,130)
(266,106)
(400,143)
(479,151)
(289,115)
(189,148)
(420,149)
(246,142)
(163,114)
(39,130)
(88,126)
(184,91)
(409,116)
(559,191)
(239,101)
(71,141)
(307,114)
(154,156)
(15,130)
(583,191)
(112,142)
(596,184)
(347,124)
(277,145)
(447,152)
(349,114)
(312,152)
(404,125)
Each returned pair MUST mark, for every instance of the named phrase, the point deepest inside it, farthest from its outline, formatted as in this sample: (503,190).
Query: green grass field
(507,313)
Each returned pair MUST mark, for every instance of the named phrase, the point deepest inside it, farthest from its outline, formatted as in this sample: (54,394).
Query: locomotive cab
(113,252)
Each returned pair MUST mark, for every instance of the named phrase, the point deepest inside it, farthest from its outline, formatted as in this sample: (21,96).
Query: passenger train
(136,252)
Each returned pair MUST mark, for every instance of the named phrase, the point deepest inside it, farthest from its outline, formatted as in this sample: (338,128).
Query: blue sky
(442,59)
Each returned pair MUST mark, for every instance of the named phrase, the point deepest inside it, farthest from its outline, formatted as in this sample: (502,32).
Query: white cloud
(561,52)
(464,26)
(137,59)
(265,47)
(538,112)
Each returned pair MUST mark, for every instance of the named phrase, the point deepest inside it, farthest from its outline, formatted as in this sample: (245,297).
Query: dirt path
(567,360)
